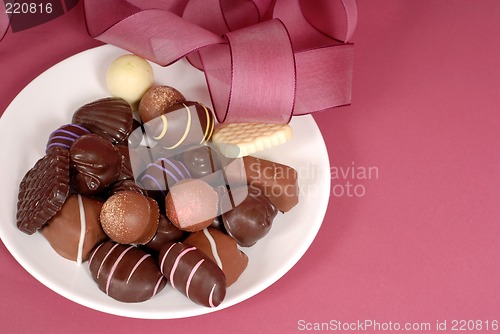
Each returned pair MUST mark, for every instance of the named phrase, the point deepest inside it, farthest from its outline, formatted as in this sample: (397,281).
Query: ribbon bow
(264,60)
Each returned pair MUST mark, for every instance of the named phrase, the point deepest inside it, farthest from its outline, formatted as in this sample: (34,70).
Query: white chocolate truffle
(129,77)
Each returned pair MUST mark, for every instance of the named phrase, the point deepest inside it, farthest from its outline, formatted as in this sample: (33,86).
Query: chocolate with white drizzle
(182,124)
(75,230)
(222,249)
(192,273)
(125,273)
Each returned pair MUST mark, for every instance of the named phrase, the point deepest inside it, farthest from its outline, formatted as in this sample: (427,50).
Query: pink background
(421,245)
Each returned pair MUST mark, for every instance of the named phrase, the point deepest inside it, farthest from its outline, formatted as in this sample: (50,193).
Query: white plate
(50,100)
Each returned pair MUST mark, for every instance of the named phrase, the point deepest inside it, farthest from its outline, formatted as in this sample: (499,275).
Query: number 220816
(28,8)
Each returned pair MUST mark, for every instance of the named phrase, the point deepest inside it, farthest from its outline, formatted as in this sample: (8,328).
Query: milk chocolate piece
(165,233)
(64,230)
(222,249)
(157,100)
(192,273)
(65,136)
(251,220)
(95,164)
(128,217)
(110,118)
(43,191)
(125,272)
(183,124)
(276,181)
(191,205)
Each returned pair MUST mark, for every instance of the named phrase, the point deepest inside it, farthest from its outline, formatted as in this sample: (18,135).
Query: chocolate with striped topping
(193,273)
(125,273)
(65,136)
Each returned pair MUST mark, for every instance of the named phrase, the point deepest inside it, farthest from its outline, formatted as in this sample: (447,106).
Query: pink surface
(420,245)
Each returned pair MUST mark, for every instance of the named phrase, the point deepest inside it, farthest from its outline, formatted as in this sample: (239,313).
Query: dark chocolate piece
(125,272)
(157,100)
(95,164)
(251,220)
(128,217)
(110,118)
(191,204)
(43,190)
(222,249)
(193,273)
(122,185)
(183,124)
(64,230)
(65,136)
(166,232)
(162,174)
(200,161)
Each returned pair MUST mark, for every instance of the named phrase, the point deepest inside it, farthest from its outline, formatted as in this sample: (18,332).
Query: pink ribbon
(264,60)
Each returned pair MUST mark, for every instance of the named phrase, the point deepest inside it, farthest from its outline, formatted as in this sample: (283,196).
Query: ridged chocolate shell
(43,191)
(110,118)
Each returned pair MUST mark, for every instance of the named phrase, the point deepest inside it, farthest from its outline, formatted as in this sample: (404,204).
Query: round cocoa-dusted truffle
(75,230)
(128,217)
(125,272)
(222,249)
(95,164)
(192,204)
(157,100)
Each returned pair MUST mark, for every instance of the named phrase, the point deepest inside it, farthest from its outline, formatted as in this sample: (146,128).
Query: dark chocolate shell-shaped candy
(65,136)
(193,273)
(125,273)
(95,164)
(43,191)
(110,118)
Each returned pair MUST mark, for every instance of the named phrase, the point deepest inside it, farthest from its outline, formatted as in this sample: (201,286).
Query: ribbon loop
(258,69)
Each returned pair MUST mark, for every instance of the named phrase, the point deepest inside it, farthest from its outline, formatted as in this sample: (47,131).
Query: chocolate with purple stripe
(162,174)
(65,136)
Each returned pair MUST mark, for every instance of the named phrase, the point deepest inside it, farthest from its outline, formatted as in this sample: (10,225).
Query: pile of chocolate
(147,201)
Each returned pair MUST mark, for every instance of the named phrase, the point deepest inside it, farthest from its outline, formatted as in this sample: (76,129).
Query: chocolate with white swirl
(125,273)
(183,124)
(65,136)
(110,118)
(192,273)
